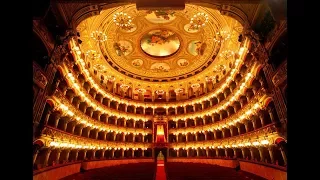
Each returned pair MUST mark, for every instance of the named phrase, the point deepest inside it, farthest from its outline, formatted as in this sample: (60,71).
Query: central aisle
(160,172)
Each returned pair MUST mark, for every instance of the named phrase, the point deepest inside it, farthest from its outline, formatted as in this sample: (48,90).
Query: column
(231,130)
(270,111)
(186,123)
(195,121)
(167,111)
(194,107)
(125,108)
(246,126)
(270,149)
(56,120)
(143,124)
(102,153)
(134,109)
(114,136)
(188,152)
(115,120)
(251,153)
(283,156)
(226,152)
(217,152)
(124,122)
(185,109)
(202,105)
(123,137)
(35,155)
(76,156)
(65,124)
(207,152)
(177,124)
(176,110)
(254,123)
(243,153)
(223,132)
(67,155)
(187,137)
(196,136)
(261,116)
(94,154)
(215,134)
(206,135)
(109,103)
(178,152)
(221,115)
(98,115)
(204,120)
(47,155)
(153,111)
(112,153)
(47,117)
(133,138)
(104,136)
(58,156)
(122,153)
(117,106)
(261,154)
(212,116)
(234,152)
(73,128)
(239,129)
(142,152)
(142,137)
(198,152)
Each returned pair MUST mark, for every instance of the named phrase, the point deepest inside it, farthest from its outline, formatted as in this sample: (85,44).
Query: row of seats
(140,171)
(197,171)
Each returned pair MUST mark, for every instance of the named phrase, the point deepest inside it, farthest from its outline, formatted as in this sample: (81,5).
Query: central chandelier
(98,36)
(222,36)
(195,87)
(122,19)
(198,20)
(124,87)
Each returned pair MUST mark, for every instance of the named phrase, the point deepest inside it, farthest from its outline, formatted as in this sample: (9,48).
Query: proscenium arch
(92,10)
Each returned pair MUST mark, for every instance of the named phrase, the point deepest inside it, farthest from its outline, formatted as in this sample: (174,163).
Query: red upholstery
(140,171)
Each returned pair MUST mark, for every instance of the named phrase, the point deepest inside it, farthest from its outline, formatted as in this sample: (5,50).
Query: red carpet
(160,173)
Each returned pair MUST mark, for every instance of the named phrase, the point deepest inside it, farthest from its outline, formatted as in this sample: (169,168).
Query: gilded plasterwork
(189,51)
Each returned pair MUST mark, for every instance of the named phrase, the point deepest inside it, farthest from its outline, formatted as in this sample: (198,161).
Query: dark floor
(175,171)
(197,171)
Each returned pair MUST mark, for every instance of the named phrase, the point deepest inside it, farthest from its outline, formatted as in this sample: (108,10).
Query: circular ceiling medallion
(196,48)
(183,62)
(137,63)
(123,48)
(160,43)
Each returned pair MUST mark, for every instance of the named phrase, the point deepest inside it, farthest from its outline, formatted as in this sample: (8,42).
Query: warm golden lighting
(198,20)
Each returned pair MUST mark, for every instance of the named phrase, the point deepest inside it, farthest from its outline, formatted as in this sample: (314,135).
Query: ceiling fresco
(160,45)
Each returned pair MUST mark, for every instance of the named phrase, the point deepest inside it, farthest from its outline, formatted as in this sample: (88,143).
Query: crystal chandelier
(99,68)
(210,78)
(98,36)
(92,54)
(111,78)
(159,92)
(178,91)
(226,54)
(122,19)
(222,36)
(195,87)
(198,20)
(141,90)
(124,87)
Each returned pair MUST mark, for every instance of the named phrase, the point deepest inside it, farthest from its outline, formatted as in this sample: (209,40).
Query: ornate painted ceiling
(159,45)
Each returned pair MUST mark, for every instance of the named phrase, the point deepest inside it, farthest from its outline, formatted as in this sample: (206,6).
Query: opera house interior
(159,90)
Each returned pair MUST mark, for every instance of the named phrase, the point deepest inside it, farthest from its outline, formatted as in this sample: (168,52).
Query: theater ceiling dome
(151,46)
